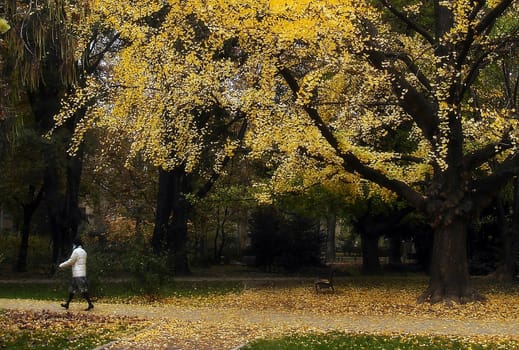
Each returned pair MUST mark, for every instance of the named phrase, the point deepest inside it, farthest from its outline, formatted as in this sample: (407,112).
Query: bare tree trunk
(331,226)
(369,245)
(223,239)
(216,255)
(395,251)
(28,212)
(177,234)
(178,238)
(54,207)
(163,212)
(449,280)
(507,265)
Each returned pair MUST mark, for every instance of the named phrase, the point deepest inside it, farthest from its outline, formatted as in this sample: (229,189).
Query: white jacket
(78,261)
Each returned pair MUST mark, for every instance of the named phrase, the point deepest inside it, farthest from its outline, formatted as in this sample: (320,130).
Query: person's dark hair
(77,241)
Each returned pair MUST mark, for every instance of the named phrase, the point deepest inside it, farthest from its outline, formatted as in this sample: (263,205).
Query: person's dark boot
(87,298)
(66,304)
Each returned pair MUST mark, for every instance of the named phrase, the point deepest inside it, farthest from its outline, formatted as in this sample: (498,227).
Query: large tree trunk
(369,244)
(177,229)
(54,206)
(62,198)
(45,103)
(171,221)
(71,201)
(449,279)
(28,212)
(163,212)
(178,236)
(331,226)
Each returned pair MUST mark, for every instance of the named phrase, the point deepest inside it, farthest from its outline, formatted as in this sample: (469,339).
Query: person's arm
(70,261)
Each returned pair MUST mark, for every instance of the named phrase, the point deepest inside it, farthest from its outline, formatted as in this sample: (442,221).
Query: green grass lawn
(372,342)
(57,290)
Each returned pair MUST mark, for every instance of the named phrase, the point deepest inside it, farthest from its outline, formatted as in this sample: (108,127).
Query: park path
(204,328)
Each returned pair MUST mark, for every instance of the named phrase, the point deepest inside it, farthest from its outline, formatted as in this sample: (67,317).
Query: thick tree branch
(470,35)
(479,5)
(488,185)
(488,21)
(412,101)
(201,193)
(480,156)
(94,60)
(411,24)
(473,73)
(350,162)
(413,68)
(484,58)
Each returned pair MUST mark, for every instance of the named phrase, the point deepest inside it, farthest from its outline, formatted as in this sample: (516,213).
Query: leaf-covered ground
(224,321)
(43,329)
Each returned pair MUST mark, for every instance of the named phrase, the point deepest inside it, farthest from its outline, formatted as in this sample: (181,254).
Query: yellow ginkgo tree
(359,75)
(335,81)
(419,64)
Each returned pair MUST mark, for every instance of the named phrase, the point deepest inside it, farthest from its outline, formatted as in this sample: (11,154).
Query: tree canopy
(389,92)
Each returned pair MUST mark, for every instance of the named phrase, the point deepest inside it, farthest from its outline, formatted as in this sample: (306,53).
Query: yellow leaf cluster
(182,58)
(168,71)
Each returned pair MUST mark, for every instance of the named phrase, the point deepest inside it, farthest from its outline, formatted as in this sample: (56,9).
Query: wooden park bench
(325,281)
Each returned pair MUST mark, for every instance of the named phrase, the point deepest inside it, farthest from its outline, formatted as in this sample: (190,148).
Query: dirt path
(179,327)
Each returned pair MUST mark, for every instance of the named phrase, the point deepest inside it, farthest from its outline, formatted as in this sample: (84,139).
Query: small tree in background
(284,240)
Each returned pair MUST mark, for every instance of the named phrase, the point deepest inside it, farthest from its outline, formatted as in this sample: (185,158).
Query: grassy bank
(373,342)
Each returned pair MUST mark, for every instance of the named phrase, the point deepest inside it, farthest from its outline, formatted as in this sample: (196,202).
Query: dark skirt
(79,285)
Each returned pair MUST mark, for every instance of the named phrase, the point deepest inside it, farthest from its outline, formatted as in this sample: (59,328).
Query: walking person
(78,261)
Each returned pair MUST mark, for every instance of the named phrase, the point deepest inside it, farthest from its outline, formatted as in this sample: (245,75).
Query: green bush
(126,260)
(149,272)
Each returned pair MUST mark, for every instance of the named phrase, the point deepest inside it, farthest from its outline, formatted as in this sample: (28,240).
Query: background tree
(427,80)
(43,60)
(284,240)
(21,185)
(169,108)
(114,188)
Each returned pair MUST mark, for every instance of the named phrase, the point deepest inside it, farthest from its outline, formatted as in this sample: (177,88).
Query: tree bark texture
(449,275)
(178,230)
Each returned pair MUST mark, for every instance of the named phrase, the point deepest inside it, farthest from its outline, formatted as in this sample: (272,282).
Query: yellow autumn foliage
(181,58)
